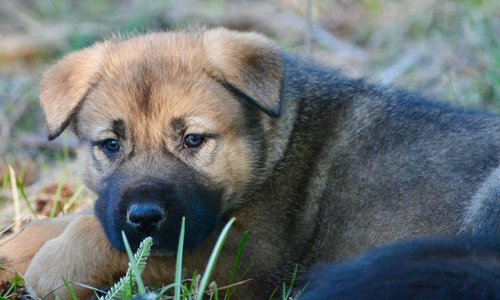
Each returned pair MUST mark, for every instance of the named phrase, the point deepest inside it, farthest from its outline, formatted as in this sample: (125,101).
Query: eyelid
(197,129)
(104,135)
(204,134)
(98,141)
(194,129)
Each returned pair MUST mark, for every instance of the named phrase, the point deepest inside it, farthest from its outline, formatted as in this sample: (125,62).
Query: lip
(178,193)
(200,225)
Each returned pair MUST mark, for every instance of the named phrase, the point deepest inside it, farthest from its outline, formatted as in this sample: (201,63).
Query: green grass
(11,291)
(70,290)
(131,285)
(236,266)
(16,189)
(57,196)
(178,263)
(198,287)
(137,264)
(469,77)
(125,287)
(20,187)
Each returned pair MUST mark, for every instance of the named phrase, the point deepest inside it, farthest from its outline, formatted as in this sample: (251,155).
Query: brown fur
(346,165)
(160,96)
(17,250)
(160,105)
(79,258)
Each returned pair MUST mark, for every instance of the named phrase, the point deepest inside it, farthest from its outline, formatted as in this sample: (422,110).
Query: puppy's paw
(48,267)
(81,255)
(18,249)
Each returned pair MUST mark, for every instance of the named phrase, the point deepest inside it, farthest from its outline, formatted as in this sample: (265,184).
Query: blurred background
(448,50)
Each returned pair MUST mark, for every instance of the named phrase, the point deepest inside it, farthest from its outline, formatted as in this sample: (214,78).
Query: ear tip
(53,134)
(51,137)
(272,111)
(275,112)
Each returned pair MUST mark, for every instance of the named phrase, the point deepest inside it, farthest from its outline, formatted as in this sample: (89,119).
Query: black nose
(145,217)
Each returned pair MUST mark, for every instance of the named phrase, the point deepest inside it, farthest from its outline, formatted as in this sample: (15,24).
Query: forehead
(154,81)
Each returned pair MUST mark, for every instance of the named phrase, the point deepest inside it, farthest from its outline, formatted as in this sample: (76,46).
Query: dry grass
(448,49)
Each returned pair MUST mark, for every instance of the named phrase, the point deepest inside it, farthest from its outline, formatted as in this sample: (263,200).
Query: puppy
(211,124)
(450,268)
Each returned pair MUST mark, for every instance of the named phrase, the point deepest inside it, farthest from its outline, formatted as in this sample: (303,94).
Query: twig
(6,229)
(399,68)
(21,229)
(230,285)
(75,283)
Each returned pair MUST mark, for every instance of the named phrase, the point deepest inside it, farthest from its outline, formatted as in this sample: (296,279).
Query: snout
(145,218)
(155,207)
(144,209)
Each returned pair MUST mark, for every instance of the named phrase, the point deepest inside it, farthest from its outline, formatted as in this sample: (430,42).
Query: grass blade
(292,282)
(15,195)
(273,293)
(213,259)
(171,286)
(55,202)
(12,287)
(117,290)
(124,288)
(192,285)
(299,294)
(20,187)
(73,198)
(70,290)
(236,264)
(178,263)
(133,266)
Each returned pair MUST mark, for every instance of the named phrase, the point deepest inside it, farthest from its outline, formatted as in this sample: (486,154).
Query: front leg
(80,254)
(17,249)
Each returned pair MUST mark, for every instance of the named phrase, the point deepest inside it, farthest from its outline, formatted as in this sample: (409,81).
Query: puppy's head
(169,125)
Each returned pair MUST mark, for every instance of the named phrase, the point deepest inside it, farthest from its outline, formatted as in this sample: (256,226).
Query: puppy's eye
(110,145)
(193,140)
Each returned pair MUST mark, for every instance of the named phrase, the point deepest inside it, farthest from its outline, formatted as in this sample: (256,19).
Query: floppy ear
(249,63)
(65,85)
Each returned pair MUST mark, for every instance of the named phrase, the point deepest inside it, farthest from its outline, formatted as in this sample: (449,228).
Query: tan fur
(97,264)
(346,166)
(236,58)
(150,82)
(17,249)
(93,254)
(60,100)
(183,90)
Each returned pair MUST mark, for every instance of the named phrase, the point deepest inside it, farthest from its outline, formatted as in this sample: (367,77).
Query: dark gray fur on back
(364,165)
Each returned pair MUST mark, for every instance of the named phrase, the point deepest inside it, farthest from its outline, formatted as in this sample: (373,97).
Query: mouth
(198,228)
(165,239)
(156,214)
